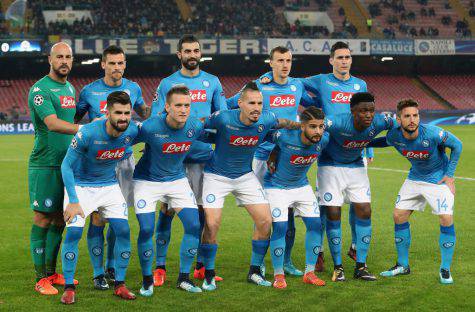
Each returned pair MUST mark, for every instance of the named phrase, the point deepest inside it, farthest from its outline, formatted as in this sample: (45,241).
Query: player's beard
(116,126)
(409,130)
(58,72)
(187,64)
(314,139)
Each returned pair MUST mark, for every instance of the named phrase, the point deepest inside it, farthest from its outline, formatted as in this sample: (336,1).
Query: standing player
(238,134)
(93,100)
(333,92)
(207,97)
(89,177)
(288,186)
(281,96)
(430,180)
(52,107)
(160,176)
(342,177)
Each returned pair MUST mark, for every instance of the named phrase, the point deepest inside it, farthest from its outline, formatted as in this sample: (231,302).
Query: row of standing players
(229,170)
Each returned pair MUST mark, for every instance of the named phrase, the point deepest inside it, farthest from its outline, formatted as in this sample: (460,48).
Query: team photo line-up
(262,153)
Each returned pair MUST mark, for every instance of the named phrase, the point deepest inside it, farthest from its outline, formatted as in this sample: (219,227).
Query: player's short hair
(406,103)
(180,89)
(112,50)
(361,97)
(279,49)
(250,86)
(186,39)
(118,97)
(337,46)
(311,113)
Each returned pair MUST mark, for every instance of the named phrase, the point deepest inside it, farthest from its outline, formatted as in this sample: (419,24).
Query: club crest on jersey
(293,88)
(206,83)
(127,140)
(355,144)
(356,86)
(190,133)
(260,128)
(278,252)
(299,160)
(420,155)
(116,153)
(38,99)
(198,95)
(340,97)
(425,143)
(276,212)
(285,100)
(371,132)
(176,147)
(246,141)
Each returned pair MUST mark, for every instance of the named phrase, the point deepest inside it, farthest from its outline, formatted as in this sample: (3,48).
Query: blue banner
(168,46)
(464,46)
(16,127)
(392,47)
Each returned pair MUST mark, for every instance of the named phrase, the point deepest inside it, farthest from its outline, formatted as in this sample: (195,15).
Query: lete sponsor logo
(67,101)
(285,100)
(198,95)
(116,153)
(421,155)
(244,140)
(299,160)
(341,97)
(355,144)
(176,147)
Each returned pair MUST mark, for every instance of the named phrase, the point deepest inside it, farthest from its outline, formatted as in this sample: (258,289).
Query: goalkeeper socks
(277,246)
(37,247)
(363,238)
(69,253)
(110,239)
(145,241)
(447,246)
(334,240)
(313,241)
(95,245)
(189,244)
(164,225)
(352,221)
(289,237)
(53,243)
(259,250)
(122,246)
(402,239)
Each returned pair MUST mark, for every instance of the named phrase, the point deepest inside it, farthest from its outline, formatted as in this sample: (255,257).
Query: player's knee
(264,225)
(333,214)
(97,220)
(41,219)
(400,216)
(313,224)
(446,220)
(363,211)
(121,228)
(73,235)
(146,230)
(279,230)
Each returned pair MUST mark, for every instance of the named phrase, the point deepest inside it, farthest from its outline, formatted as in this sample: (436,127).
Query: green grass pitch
(418,291)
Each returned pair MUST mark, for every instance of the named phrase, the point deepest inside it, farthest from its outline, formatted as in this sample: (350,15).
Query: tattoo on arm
(287,124)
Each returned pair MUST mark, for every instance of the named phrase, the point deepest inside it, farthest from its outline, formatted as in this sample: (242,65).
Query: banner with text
(435,47)
(318,46)
(392,47)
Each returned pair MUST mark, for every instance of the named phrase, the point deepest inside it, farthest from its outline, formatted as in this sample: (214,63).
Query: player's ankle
(199,265)
(69,287)
(147,281)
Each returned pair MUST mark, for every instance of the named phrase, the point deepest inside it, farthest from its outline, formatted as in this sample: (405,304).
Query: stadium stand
(457,89)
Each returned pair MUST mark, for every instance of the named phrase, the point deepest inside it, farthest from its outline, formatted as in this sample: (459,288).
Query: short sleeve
(41,103)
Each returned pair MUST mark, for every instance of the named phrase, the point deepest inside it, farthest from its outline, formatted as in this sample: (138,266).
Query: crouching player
(89,177)
(430,180)
(160,176)
(288,187)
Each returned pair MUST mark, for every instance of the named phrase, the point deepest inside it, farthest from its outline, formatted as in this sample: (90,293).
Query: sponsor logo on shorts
(366,239)
(355,144)
(103,106)
(448,244)
(96,251)
(398,240)
(48,202)
(141,204)
(198,95)
(276,212)
(148,253)
(70,256)
(161,242)
(116,153)
(420,155)
(176,148)
(279,252)
(341,97)
(336,240)
(327,196)
(67,101)
(125,255)
(39,250)
(210,198)
(247,141)
(192,251)
(299,160)
(285,100)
